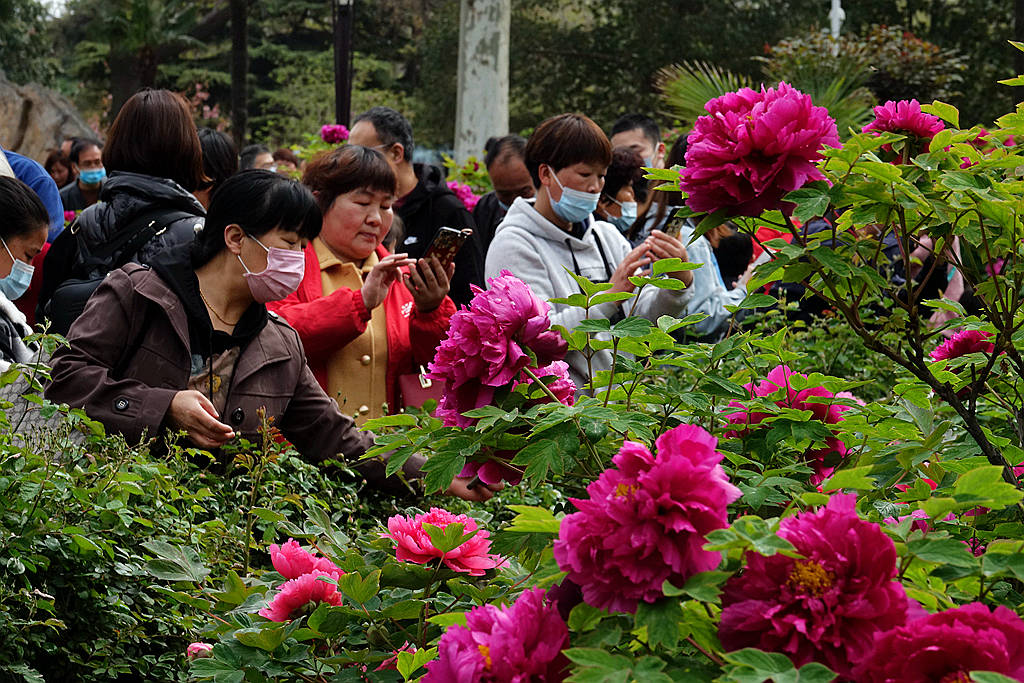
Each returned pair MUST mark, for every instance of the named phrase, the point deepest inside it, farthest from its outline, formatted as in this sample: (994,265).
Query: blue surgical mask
(94,176)
(503,205)
(574,205)
(16,284)
(628,217)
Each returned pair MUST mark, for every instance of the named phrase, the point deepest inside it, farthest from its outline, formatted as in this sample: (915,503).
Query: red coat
(326,323)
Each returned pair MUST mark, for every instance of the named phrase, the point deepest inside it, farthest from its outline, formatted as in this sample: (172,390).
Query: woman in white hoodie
(543,240)
(23,230)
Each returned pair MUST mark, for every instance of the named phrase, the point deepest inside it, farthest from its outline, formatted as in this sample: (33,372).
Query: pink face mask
(282,276)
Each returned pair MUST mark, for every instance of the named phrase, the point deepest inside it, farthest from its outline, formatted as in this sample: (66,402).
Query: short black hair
(625,169)
(645,123)
(504,147)
(249,154)
(220,157)
(391,127)
(258,200)
(565,140)
(22,209)
(82,144)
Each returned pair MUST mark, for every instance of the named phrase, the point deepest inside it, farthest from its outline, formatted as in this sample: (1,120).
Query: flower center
(486,652)
(624,490)
(810,577)
(955,677)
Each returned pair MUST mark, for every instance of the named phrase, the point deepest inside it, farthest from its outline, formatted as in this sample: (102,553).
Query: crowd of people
(202,289)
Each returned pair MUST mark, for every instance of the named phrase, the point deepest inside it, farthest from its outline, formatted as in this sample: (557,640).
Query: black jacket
(430,206)
(123,198)
(487,214)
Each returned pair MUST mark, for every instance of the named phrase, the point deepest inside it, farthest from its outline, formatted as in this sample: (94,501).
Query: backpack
(69,298)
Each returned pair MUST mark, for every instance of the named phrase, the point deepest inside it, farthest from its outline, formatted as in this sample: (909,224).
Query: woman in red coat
(365,316)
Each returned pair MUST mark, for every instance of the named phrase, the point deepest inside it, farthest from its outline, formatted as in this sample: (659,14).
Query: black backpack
(93,264)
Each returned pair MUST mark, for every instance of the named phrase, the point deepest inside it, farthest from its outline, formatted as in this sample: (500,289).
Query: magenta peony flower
(647,520)
(199,651)
(291,561)
(488,343)
(962,343)
(464,193)
(827,412)
(946,646)
(296,594)
(69,216)
(826,607)
(414,544)
(904,117)
(753,148)
(334,133)
(517,644)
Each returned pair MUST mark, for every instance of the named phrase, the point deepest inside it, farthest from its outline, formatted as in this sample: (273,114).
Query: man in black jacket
(505,160)
(424,203)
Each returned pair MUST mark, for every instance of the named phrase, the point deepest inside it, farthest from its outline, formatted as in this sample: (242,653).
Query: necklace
(214,311)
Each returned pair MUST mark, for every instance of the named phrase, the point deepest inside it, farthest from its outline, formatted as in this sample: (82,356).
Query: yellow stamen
(810,577)
(486,652)
(626,490)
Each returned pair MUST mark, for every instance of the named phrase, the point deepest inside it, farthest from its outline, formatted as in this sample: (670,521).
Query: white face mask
(574,205)
(628,217)
(18,280)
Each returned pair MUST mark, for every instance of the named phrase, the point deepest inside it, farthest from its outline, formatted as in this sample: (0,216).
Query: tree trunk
(124,80)
(239,70)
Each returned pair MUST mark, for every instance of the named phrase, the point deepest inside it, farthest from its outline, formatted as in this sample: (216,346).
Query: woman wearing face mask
(539,239)
(617,204)
(365,316)
(188,344)
(22,235)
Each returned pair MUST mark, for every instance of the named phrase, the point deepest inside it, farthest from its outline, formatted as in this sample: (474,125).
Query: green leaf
(710,222)
(175,563)
(985,486)
(405,609)
(942,551)
(267,638)
(534,520)
(990,677)
(946,112)
(448,538)
(662,621)
(399,420)
(854,478)
(330,620)
(583,617)
(448,618)
(810,203)
(357,588)
(703,586)
(632,327)
(409,662)
(757,300)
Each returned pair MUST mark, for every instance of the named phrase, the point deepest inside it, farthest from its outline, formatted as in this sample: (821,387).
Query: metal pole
(343,11)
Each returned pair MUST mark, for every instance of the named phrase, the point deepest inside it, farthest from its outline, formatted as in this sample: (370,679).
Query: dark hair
(628,122)
(391,127)
(625,169)
(565,140)
(56,158)
(220,157)
(660,200)
(504,147)
(259,201)
(80,145)
(347,168)
(21,207)
(154,134)
(285,154)
(249,154)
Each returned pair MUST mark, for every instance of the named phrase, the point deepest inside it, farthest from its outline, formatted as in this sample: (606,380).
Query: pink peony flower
(646,520)
(414,545)
(296,594)
(825,411)
(826,607)
(906,118)
(753,148)
(946,646)
(199,651)
(493,469)
(69,216)
(962,343)
(464,193)
(291,561)
(391,663)
(517,644)
(334,133)
(489,344)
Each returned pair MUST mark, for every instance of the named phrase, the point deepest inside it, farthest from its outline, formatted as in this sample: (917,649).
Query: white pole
(482,105)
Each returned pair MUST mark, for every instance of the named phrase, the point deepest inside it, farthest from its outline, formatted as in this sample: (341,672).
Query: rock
(34,119)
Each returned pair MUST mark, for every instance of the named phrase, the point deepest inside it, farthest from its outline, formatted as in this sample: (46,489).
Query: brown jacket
(129,355)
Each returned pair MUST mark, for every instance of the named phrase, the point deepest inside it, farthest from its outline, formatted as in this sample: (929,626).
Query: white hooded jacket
(542,255)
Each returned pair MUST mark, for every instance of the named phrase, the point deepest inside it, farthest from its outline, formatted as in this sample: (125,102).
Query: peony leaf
(985,486)
(530,519)
(990,677)
(361,590)
(946,112)
(661,619)
(703,586)
(854,478)
(710,222)
(266,639)
(810,203)
(449,538)
(583,617)
(942,551)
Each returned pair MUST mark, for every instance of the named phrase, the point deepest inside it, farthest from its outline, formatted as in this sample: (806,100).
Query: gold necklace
(213,310)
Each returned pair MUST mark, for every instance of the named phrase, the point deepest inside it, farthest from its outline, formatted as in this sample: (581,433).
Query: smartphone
(446,244)
(673,226)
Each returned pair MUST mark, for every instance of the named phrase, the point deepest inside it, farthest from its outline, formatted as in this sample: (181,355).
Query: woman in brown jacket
(187,343)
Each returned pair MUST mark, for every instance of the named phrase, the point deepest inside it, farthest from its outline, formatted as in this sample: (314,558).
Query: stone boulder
(34,119)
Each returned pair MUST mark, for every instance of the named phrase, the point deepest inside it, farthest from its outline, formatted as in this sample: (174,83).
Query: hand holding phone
(446,245)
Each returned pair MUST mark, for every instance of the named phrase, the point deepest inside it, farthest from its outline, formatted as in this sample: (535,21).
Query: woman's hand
(429,283)
(638,258)
(379,280)
(192,412)
(480,492)
(661,246)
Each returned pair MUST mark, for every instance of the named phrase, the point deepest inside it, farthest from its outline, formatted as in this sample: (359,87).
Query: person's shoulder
(284,332)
